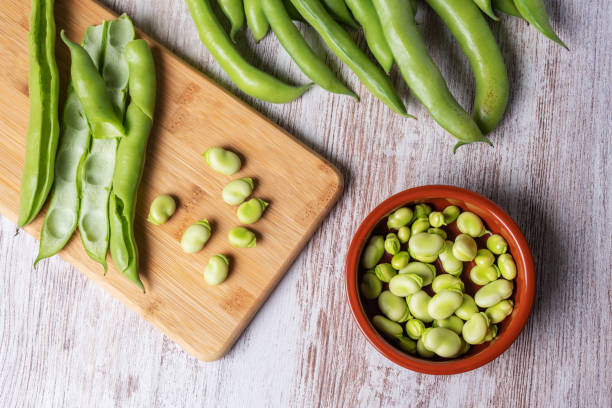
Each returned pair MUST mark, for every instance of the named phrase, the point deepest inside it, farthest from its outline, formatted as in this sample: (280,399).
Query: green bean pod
(234,11)
(43,126)
(296,46)
(485,6)
(534,11)
(421,73)
(365,14)
(249,79)
(341,43)
(473,34)
(340,12)
(506,6)
(256,19)
(130,159)
(62,214)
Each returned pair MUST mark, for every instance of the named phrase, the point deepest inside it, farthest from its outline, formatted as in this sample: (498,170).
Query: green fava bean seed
(223,161)
(388,328)
(406,344)
(422,351)
(373,252)
(405,284)
(464,248)
(471,224)
(452,323)
(241,237)
(425,247)
(426,271)
(438,231)
(236,191)
(400,260)
(216,270)
(491,333)
(476,328)
(392,244)
(399,218)
(370,286)
(420,225)
(444,303)
(421,211)
(251,211)
(498,312)
(481,275)
(162,208)
(385,272)
(450,214)
(497,244)
(467,309)
(450,264)
(195,236)
(507,267)
(493,293)
(442,341)
(415,328)
(393,307)
(447,281)
(418,305)
(436,219)
(403,234)
(484,257)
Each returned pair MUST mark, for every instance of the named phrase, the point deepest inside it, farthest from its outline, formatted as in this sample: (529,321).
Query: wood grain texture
(193,114)
(66,342)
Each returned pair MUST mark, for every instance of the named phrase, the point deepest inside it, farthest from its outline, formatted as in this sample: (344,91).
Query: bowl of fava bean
(440,280)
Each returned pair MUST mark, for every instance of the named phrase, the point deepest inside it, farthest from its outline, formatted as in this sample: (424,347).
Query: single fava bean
(251,211)
(484,257)
(241,237)
(452,323)
(216,270)
(425,247)
(162,208)
(444,303)
(446,281)
(406,344)
(471,224)
(422,351)
(481,275)
(399,218)
(476,328)
(405,284)
(419,225)
(426,271)
(442,341)
(393,307)
(438,231)
(436,219)
(370,286)
(418,305)
(385,272)
(450,214)
(491,333)
(507,267)
(467,309)
(388,328)
(392,244)
(450,264)
(223,161)
(403,234)
(236,191)
(497,244)
(195,236)
(498,312)
(400,260)
(465,248)
(415,328)
(421,211)
(373,252)
(493,293)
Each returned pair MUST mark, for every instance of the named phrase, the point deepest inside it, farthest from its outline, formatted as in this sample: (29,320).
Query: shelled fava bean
(426,313)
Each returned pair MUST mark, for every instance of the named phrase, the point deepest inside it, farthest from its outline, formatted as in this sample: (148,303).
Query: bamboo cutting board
(193,113)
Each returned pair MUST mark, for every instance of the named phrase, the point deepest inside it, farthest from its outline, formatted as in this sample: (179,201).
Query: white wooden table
(65,342)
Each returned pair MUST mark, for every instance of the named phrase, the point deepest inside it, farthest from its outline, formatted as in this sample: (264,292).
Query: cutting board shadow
(192,114)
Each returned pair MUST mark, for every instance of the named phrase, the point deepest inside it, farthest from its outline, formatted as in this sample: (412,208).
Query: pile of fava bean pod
(391,35)
(103,136)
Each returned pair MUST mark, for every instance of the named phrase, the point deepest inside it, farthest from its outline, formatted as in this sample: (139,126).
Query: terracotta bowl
(497,221)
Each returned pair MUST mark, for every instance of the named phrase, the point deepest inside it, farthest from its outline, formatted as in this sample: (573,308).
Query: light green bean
(476,328)
(493,293)
(400,260)
(447,281)
(436,219)
(370,286)
(481,275)
(241,237)
(251,211)
(399,218)
(425,247)
(499,311)
(422,350)
(484,257)
(405,284)
(162,208)
(453,323)
(385,272)
(222,161)
(450,214)
(471,224)
(415,328)
(393,307)
(236,191)
(442,341)
(449,262)
(373,252)
(403,234)
(419,225)
(418,305)
(438,231)
(427,272)
(507,267)
(217,269)
(388,328)
(497,244)
(406,344)
(392,244)
(467,309)
(444,303)
(465,248)
(195,236)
